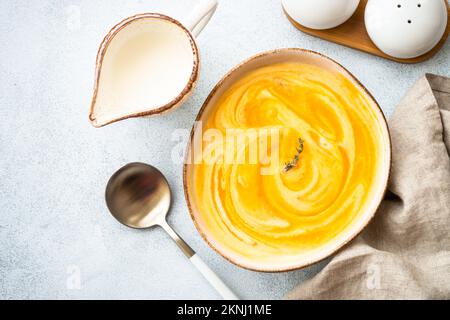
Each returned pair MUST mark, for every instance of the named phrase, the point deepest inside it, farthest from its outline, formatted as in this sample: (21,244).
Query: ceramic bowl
(266,59)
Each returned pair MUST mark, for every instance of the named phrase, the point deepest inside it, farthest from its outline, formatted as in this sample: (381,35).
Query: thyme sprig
(293,163)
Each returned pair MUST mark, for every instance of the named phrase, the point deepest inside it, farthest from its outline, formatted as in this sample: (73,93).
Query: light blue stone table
(57,239)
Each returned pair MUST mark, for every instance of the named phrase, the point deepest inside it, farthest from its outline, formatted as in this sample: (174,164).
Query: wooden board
(353,34)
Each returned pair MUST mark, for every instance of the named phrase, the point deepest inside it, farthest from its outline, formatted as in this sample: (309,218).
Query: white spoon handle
(213,279)
(209,275)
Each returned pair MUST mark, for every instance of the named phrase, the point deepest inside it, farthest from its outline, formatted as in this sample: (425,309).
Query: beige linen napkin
(404,253)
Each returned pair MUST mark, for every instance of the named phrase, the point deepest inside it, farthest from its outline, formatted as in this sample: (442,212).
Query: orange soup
(323,163)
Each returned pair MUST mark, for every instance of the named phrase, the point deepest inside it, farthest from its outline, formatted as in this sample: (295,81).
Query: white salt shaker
(406,28)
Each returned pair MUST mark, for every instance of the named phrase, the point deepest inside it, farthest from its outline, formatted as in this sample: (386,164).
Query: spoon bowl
(138,196)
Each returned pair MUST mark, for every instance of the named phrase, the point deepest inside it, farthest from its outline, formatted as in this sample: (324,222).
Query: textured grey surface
(54,225)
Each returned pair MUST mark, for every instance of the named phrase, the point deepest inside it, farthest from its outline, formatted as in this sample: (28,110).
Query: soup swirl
(321,136)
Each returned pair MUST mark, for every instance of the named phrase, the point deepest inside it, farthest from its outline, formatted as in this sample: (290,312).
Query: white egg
(320,14)
(406,28)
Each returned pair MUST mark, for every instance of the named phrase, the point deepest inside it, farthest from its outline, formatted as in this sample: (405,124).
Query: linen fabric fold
(404,253)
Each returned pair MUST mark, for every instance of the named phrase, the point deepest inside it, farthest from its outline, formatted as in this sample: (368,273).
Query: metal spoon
(138,196)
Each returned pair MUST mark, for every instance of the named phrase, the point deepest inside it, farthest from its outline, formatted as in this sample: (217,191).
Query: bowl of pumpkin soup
(287,162)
